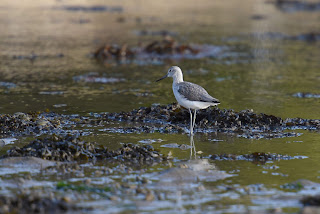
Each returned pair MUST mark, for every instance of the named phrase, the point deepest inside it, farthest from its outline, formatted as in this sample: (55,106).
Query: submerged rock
(291,6)
(94,77)
(96,8)
(306,37)
(147,32)
(310,37)
(259,157)
(306,95)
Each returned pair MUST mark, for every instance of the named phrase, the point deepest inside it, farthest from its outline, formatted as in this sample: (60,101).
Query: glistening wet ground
(257,58)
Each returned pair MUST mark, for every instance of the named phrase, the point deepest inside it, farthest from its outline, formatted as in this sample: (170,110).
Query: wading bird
(189,95)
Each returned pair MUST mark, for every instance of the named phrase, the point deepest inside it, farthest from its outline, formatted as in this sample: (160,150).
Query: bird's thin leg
(191,128)
(194,118)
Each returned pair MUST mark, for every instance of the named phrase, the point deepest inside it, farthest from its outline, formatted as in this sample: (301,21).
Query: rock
(313,200)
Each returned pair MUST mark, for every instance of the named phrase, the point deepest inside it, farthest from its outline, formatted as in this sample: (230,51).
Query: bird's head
(173,72)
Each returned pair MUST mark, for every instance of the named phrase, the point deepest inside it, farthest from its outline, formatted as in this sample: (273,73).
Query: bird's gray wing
(194,92)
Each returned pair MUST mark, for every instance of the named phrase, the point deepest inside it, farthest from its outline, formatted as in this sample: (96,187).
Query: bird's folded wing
(194,92)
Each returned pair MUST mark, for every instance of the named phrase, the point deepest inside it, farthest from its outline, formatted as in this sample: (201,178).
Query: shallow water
(46,50)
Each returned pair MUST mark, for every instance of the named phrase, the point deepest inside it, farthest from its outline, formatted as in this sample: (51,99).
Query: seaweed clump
(221,119)
(169,46)
(25,124)
(107,52)
(72,148)
(38,123)
(158,48)
(245,123)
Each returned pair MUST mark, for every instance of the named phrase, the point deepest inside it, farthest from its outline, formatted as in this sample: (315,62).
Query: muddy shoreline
(58,149)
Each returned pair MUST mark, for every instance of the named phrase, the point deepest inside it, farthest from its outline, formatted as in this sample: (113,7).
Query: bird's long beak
(165,76)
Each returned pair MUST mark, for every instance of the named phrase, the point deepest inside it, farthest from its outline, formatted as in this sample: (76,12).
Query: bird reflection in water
(193,152)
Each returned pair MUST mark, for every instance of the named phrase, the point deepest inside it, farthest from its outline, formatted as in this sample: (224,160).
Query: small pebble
(149,196)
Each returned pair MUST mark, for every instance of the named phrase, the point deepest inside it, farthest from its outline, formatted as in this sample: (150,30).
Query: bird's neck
(177,78)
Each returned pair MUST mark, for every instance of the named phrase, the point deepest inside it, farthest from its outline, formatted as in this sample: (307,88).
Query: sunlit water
(44,47)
